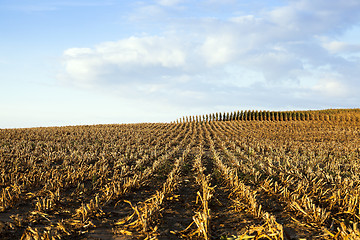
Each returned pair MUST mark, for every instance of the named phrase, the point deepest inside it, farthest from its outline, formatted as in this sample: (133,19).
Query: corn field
(240,175)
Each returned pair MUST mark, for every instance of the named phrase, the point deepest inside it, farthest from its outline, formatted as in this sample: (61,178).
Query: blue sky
(94,62)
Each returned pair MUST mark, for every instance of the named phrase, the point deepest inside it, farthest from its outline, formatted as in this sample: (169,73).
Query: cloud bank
(280,57)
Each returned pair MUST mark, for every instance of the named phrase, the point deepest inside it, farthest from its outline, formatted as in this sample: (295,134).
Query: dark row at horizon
(263,115)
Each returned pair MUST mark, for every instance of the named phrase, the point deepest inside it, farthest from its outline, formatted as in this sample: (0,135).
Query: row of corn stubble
(67,182)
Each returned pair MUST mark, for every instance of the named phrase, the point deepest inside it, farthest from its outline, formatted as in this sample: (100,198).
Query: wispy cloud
(41,6)
(169,3)
(286,53)
(339,47)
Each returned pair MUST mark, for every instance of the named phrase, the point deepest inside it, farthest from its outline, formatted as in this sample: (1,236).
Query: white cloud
(246,19)
(169,2)
(203,60)
(84,70)
(133,56)
(74,52)
(218,49)
(331,87)
(157,51)
(341,47)
(276,66)
(316,17)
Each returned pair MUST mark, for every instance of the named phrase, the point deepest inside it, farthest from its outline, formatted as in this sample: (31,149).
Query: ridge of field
(263,115)
(239,179)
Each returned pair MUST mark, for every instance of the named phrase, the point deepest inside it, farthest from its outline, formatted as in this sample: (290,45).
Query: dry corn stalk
(146,212)
(9,196)
(36,234)
(88,210)
(202,217)
(271,229)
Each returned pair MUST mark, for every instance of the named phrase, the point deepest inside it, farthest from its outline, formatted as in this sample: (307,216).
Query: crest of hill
(263,115)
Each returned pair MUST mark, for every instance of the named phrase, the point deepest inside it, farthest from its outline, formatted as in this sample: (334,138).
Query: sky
(77,62)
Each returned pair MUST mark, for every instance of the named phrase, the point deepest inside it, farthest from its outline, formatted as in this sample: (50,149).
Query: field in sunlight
(200,178)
